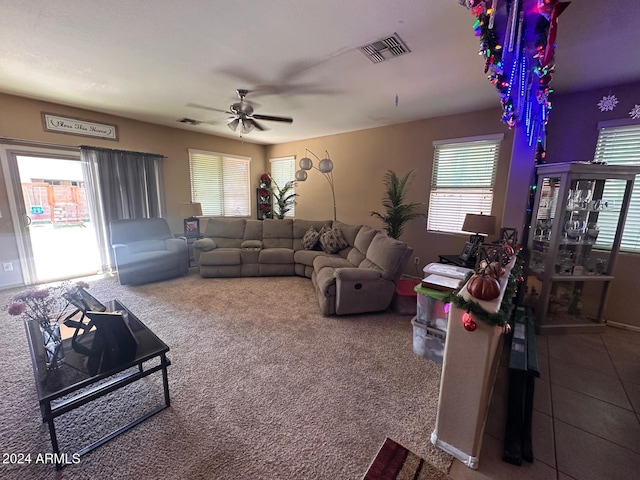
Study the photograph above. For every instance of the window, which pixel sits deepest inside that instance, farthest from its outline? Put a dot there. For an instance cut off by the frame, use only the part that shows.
(283, 170)
(464, 172)
(220, 183)
(619, 145)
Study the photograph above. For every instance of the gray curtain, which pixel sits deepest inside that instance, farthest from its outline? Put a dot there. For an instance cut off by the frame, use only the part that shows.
(122, 185)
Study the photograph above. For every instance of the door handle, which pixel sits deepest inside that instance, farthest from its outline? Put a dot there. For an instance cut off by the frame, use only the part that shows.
(28, 220)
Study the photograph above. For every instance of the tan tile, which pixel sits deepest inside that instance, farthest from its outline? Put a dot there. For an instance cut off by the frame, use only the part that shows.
(542, 437)
(543, 366)
(492, 467)
(587, 457)
(564, 476)
(608, 421)
(626, 358)
(586, 350)
(542, 396)
(633, 390)
(595, 384)
(622, 334)
(542, 344)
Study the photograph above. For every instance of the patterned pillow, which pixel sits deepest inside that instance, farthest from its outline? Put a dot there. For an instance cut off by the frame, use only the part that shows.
(310, 239)
(333, 240)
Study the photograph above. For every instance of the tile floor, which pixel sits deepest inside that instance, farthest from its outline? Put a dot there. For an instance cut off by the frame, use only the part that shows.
(586, 419)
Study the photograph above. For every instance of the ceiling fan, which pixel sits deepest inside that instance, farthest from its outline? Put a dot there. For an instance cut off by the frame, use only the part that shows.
(243, 116)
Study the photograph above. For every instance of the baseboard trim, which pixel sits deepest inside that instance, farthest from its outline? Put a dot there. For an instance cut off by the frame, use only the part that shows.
(623, 326)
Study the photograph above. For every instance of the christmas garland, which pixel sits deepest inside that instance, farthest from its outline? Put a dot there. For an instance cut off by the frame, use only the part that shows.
(501, 317)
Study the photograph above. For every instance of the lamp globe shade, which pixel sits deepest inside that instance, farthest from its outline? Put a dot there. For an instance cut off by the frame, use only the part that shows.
(305, 163)
(301, 175)
(325, 165)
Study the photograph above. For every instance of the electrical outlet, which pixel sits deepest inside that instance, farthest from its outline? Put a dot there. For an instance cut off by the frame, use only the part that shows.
(7, 266)
(416, 260)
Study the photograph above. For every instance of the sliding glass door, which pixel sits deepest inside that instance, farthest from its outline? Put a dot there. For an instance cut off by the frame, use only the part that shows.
(56, 234)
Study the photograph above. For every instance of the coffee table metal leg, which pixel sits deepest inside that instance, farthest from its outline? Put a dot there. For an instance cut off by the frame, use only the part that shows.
(165, 380)
(49, 418)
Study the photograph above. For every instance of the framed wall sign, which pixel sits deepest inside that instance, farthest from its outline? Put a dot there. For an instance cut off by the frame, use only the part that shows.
(78, 126)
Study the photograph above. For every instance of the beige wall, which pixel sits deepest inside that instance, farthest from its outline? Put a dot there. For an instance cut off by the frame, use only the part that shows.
(21, 119)
(362, 158)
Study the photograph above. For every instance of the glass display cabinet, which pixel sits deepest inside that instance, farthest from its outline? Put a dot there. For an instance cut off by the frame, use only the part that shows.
(576, 228)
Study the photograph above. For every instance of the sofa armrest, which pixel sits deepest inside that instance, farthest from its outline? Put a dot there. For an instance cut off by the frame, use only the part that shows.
(176, 244)
(360, 290)
(204, 244)
(356, 274)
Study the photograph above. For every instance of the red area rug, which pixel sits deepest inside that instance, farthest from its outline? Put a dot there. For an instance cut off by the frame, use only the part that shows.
(395, 462)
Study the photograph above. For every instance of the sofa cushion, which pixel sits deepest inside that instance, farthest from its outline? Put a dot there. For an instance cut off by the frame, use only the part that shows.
(332, 240)
(348, 231)
(253, 230)
(306, 257)
(276, 256)
(361, 244)
(147, 246)
(310, 239)
(277, 233)
(225, 228)
(387, 254)
(221, 256)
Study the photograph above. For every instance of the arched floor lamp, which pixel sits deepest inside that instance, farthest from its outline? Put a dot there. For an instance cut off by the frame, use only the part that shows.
(325, 166)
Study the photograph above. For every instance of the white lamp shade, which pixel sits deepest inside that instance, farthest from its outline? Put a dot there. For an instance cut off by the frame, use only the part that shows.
(306, 163)
(325, 165)
(301, 175)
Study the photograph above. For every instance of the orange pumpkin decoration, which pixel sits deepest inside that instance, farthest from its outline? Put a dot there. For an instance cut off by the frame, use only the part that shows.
(483, 287)
(494, 269)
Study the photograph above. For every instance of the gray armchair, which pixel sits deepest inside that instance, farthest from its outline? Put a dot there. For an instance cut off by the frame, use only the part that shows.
(146, 251)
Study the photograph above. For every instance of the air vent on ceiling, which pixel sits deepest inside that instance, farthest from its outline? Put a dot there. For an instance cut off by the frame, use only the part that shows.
(385, 48)
(190, 121)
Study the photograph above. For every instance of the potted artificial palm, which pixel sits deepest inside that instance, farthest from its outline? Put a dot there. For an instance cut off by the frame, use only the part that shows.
(283, 199)
(397, 212)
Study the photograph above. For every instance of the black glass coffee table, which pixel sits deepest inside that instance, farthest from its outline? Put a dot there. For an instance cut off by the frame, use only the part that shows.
(83, 377)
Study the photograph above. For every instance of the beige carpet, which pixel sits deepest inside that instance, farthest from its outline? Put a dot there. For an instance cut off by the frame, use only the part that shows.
(262, 387)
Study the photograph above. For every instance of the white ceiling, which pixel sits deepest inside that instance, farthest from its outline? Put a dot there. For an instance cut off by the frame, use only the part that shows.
(150, 59)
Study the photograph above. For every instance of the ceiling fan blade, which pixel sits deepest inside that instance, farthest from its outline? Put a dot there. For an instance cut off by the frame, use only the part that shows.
(204, 107)
(273, 119)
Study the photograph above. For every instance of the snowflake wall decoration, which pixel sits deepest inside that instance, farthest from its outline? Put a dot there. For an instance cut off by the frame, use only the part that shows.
(608, 103)
(635, 112)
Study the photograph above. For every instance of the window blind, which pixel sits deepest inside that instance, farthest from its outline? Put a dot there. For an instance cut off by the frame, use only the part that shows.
(220, 183)
(462, 182)
(619, 146)
(283, 170)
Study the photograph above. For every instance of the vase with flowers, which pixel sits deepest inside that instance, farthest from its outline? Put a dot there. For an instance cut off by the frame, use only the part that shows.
(45, 306)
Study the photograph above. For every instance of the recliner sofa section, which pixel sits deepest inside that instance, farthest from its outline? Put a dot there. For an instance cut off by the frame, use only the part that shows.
(360, 277)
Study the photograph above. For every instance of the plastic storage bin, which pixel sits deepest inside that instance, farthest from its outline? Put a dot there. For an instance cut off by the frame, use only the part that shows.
(404, 300)
(431, 310)
(428, 342)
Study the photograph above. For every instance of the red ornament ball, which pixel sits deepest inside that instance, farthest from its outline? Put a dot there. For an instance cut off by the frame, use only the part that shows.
(468, 322)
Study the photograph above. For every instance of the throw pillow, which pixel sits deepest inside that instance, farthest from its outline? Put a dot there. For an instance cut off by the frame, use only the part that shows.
(310, 238)
(332, 241)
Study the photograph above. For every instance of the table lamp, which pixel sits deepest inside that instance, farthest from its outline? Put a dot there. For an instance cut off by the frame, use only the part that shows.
(480, 225)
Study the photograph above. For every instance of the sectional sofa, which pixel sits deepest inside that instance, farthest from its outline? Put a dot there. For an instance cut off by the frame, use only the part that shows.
(354, 268)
